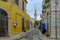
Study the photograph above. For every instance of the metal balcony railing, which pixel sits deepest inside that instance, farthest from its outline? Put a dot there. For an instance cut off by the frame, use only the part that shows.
(46, 1)
(44, 7)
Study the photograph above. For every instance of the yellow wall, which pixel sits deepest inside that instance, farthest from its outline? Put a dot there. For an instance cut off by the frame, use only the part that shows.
(12, 10)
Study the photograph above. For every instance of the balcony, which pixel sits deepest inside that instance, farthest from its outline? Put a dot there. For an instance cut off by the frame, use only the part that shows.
(43, 11)
(46, 1)
(41, 16)
(44, 7)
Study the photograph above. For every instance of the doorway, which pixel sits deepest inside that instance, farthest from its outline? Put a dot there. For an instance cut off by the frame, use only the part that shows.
(23, 28)
(3, 23)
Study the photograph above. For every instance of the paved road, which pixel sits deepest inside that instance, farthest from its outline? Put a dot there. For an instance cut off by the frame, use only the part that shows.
(36, 35)
(32, 36)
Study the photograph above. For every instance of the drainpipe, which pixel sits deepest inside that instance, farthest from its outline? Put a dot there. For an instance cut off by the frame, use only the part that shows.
(56, 3)
(50, 18)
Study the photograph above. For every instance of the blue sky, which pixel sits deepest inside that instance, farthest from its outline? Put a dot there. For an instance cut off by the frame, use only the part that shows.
(32, 5)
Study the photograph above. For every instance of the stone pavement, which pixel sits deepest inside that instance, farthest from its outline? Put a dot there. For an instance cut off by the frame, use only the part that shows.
(19, 36)
(33, 34)
(37, 35)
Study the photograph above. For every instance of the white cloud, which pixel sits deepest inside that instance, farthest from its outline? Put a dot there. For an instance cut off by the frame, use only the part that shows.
(31, 5)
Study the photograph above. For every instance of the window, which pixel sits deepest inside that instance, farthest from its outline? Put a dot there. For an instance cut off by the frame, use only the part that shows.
(4, 0)
(17, 2)
(23, 5)
(3, 23)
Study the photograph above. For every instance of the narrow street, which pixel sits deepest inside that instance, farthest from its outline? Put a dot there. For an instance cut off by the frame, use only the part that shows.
(29, 19)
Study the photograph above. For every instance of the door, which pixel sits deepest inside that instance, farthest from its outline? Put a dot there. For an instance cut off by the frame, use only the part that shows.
(23, 28)
(3, 23)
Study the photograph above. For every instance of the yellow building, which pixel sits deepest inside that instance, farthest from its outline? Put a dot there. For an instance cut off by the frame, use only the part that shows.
(13, 17)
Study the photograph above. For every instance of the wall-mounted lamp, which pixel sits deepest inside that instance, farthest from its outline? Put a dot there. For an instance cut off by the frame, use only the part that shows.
(15, 24)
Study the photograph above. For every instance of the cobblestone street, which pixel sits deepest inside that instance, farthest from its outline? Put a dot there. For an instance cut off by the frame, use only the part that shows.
(37, 35)
(34, 34)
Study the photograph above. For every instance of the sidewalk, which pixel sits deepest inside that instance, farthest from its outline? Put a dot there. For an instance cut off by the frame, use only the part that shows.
(19, 36)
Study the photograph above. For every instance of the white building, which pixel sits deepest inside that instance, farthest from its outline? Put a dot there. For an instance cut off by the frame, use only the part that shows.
(31, 23)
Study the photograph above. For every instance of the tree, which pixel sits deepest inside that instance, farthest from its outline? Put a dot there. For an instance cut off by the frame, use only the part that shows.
(36, 23)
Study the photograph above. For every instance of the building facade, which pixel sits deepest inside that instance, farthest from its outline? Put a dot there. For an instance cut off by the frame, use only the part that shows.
(51, 16)
(20, 4)
(55, 18)
(13, 17)
(45, 12)
(31, 23)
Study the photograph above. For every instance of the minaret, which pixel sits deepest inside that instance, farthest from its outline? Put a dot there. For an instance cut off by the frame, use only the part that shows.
(35, 15)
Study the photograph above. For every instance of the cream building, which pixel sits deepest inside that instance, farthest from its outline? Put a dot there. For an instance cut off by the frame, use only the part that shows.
(45, 13)
(51, 16)
(55, 18)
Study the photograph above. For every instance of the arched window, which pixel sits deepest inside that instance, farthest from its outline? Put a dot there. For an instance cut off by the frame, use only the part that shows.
(3, 23)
